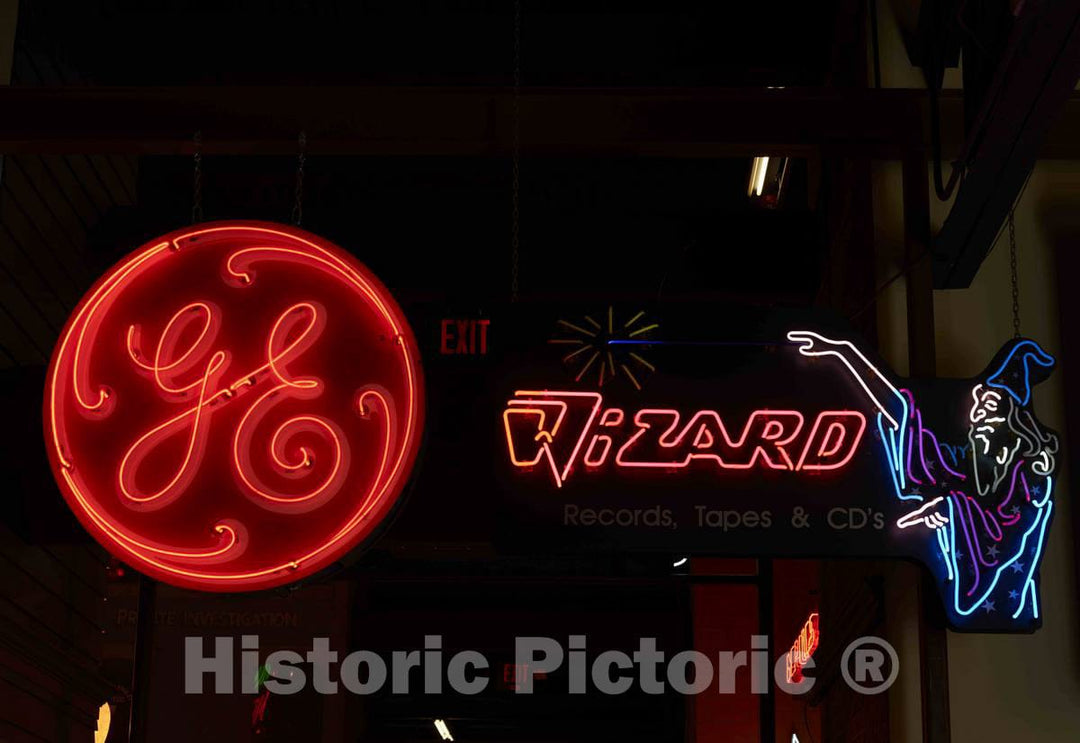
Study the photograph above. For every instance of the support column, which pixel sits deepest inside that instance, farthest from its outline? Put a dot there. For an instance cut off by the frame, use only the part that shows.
(142, 660)
(922, 357)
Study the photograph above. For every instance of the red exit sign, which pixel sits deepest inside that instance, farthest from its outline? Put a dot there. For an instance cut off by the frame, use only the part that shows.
(467, 337)
(517, 674)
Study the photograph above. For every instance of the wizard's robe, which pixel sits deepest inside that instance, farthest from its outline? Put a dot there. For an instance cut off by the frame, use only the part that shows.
(993, 540)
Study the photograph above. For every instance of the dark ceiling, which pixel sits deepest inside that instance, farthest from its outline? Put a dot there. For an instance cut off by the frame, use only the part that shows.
(647, 227)
(563, 42)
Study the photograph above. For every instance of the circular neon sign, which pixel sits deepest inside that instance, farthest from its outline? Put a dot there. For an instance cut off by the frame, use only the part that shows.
(234, 406)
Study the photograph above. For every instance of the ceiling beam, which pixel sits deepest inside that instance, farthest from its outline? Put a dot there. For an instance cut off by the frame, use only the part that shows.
(684, 122)
(1021, 120)
(703, 122)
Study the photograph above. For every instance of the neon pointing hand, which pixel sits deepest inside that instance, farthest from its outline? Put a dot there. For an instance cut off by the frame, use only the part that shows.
(926, 514)
(815, 344)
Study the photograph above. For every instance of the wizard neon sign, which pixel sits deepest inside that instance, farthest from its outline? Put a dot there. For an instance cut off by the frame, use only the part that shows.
(836, 456)
(663, 438)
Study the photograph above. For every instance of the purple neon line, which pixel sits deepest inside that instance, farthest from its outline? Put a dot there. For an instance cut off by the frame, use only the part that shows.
(1010, 519)
(922, 452)
(937, 447)
(971, 549)
(986, 514)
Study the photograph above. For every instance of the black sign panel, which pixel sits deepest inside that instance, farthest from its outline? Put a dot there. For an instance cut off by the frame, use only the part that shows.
(757, 435)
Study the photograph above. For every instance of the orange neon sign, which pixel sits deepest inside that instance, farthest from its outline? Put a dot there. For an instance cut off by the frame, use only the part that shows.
(234, 406)
(561, 432)
(805, 645)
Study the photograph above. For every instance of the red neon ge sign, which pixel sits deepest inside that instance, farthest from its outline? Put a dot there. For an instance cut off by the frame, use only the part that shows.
(234, 406)
(562, 432)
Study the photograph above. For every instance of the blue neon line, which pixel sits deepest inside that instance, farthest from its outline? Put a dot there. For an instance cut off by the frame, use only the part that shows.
(646, 342)
(953, 567)
(997, 575)
(944, 550)
(895, 452)
(902, 438)
(1045, 516)
(901, 464)
(890, 454)
(952, 452)
(1027, 369)
(1049, 486)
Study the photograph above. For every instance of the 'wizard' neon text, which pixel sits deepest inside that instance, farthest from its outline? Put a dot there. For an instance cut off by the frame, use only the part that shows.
(563, 431)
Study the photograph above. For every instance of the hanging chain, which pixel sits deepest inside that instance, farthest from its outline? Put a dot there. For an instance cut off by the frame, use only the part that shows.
(196, 194)
(298, 203)
(515, 228)
(1012, 269)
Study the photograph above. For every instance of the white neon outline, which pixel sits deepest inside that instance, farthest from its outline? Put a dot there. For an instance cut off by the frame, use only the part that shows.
(909, 520)
(806, 340)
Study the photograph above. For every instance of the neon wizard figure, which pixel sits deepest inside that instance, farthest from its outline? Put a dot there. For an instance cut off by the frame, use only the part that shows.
(982, 503)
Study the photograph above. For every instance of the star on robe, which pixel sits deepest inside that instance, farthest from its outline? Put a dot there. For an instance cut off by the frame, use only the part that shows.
(916, 491)
(1015, 510)
(987, 606)
(992, 551)
(1037, 491)
(1014, 595)
(1017, 567)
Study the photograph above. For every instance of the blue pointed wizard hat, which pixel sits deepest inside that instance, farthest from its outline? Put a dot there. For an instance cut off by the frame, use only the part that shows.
(1023, 364)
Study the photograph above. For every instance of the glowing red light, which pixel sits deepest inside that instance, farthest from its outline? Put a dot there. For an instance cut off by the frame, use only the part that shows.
(234, 406)
(517, 674)
(805, 645)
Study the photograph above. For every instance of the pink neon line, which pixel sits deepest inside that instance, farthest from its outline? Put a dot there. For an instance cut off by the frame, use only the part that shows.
(666, 441)
(802, 466)
(991, 525)
(554, 468)
(642, 428)
(581, 439)
(699, 442)
(589, 460)
(834, 426)
(612, 417)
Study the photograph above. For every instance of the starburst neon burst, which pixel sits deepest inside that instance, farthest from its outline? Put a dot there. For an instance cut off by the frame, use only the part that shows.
(610, 349)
